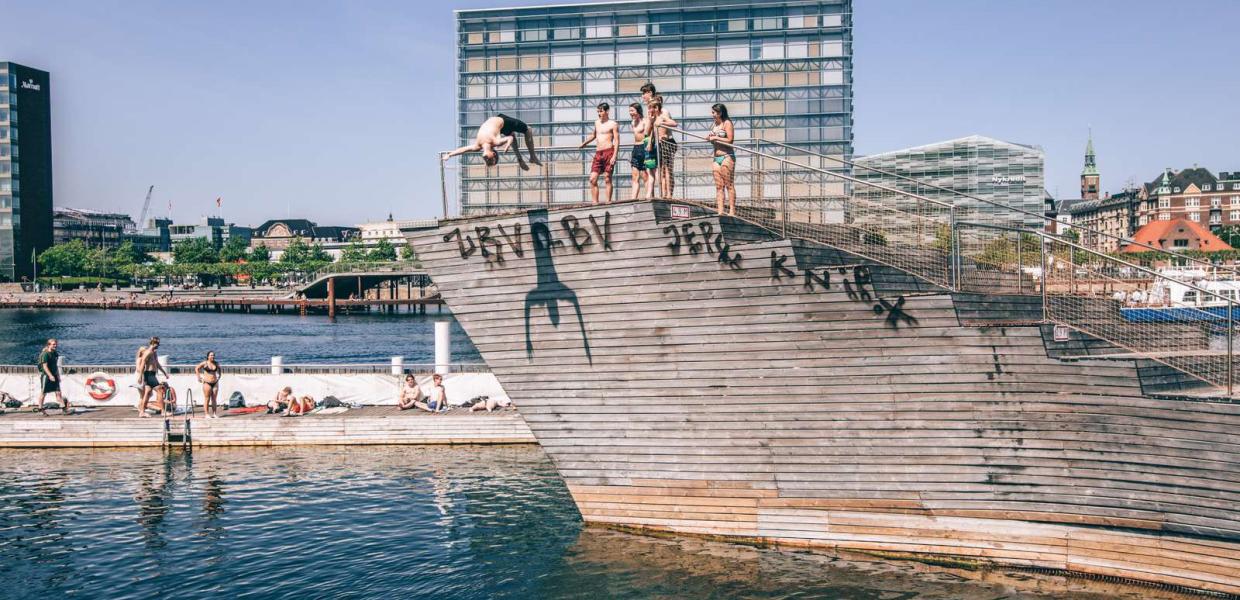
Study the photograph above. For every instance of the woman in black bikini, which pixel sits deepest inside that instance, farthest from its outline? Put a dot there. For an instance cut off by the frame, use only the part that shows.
(208, 372)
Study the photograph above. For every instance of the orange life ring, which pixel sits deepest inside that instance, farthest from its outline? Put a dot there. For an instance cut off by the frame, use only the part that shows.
(100, 386)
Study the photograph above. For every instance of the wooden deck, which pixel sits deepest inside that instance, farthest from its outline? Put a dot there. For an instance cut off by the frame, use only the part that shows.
(704, 376)
(117, 427)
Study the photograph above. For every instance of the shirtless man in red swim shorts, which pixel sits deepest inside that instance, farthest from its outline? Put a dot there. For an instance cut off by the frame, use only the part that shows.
(606, 138)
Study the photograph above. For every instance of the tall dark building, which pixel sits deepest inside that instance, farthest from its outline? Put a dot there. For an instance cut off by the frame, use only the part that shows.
(25, 168)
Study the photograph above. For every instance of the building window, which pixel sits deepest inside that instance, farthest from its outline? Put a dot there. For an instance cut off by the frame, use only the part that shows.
(1205, 188)
(1164, 216)
(1235, 186)
(1195, 217)
(1216, 219)
(1216, 202)
(1192, 202)
(1180, 243)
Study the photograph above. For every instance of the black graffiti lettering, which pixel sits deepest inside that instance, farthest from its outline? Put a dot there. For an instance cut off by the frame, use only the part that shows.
(862, 277)
(540, 233)
(603, 233)
(708, 232)
(811, 278)
(578, 235)
(518, 247)
(686, 230)
(460, 242)
(484, 238)
(675, 243)
(726, 256)
(895, 312)
(778, 270)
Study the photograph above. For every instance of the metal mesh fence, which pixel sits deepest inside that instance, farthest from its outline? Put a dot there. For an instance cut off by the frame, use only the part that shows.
(813, 197)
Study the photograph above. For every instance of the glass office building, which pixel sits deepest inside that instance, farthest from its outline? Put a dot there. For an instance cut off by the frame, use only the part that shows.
(1008, 174)
(782, 67)
(25, 169)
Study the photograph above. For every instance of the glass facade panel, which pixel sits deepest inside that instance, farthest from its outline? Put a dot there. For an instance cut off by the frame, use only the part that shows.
(780, 66)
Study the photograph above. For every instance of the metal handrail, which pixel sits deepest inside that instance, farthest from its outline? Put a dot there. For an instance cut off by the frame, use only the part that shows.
(1017, 210)
(785, 161)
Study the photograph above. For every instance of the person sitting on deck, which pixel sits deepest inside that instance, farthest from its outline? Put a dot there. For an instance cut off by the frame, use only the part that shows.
(282, 400)
(496, 135)
(410, 394)
(297, 408)
(438, 400)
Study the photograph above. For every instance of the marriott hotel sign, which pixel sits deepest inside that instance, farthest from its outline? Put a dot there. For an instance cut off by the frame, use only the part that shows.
(29, 84)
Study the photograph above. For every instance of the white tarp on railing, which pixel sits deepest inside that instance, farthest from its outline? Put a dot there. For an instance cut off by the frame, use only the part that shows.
(360, 388)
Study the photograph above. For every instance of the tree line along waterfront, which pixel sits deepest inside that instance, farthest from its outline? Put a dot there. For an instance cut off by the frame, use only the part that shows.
(77, 264)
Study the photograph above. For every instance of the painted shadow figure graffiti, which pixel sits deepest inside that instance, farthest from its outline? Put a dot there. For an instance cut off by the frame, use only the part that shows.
(549, 291)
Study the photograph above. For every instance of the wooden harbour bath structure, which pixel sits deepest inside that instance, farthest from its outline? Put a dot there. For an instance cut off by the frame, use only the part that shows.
(863, 384)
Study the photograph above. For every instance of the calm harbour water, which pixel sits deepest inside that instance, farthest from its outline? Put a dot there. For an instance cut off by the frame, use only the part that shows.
(390, 522)
(92, 336)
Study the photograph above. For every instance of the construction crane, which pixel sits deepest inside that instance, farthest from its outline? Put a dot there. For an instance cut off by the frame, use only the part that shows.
(146, 206)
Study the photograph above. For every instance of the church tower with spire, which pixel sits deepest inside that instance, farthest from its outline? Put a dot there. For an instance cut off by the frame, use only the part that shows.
(1089, 175)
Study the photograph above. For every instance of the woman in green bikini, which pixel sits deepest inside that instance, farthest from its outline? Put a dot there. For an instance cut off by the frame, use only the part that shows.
(723, 135)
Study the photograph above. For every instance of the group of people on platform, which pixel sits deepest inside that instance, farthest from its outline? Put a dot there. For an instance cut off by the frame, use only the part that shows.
(653, 157)
(155, 395)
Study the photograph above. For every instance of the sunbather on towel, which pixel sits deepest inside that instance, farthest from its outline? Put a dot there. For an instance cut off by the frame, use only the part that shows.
(297, 408)
(281, 402)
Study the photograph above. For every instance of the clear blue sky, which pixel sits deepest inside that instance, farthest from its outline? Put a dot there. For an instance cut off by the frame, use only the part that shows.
(333, 110)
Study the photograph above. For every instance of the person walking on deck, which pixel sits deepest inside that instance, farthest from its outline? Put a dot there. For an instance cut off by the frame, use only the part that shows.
(147, 366)
(606, 138)
(495, 135)
(641, 138)
(49, 376)
(723, 136)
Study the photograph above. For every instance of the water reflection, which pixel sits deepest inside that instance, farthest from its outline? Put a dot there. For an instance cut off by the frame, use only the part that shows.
(393, 522)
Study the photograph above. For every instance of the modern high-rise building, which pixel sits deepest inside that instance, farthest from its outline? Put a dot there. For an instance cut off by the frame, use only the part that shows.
(1006, 174)
(783, 68)
(25, 168)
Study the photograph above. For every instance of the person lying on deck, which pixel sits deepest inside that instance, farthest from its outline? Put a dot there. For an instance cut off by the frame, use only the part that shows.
(297, 408)
(410, 394)
(281, 402)
(489, 404)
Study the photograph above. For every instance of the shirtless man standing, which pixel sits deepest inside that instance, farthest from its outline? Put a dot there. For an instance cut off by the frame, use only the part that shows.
(496, 135)
(147, 365)
(606, 138)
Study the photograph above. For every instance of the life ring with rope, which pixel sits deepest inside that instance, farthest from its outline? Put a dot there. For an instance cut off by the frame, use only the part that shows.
(100, 386)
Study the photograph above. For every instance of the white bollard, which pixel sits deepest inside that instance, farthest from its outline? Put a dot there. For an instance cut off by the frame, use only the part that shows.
(398, 365)
(277, 365)
(163, 362)
(443, 347)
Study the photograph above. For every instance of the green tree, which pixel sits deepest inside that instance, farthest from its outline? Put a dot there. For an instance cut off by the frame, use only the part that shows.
(318, 254)
(260, 254)
(383, 251)
(70, 258)
(1230, 234)
(235, 249)
(354, 252)
(297, 252)
(195, 250)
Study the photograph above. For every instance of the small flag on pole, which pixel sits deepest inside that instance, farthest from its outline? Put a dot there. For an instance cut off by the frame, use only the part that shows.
(217, 202)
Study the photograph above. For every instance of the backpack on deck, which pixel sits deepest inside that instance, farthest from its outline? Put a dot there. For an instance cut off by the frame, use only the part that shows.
(332, 402)
(236, 400)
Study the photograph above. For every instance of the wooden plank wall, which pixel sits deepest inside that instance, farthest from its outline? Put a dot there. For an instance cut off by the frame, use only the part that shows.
(717, 389)
(51, 431)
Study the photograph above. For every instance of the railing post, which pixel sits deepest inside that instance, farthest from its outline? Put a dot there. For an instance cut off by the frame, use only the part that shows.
(1231, 369)
(546, 169)
(1020, 263)
(1044, 277)
(443, 183)
(953, 250)
(783, 194)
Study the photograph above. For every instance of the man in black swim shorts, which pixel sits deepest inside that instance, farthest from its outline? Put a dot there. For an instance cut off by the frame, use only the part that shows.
(496, 135)
(147, 365)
